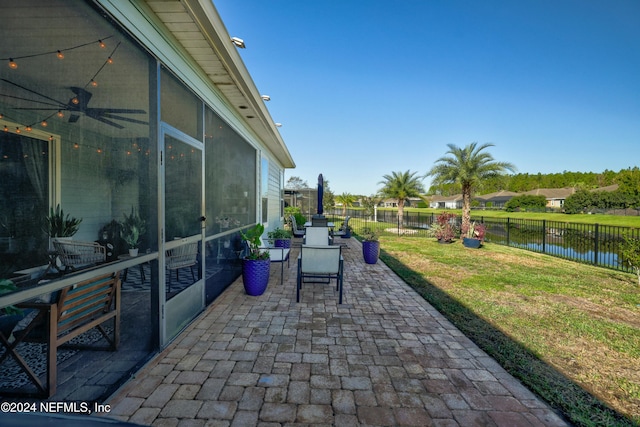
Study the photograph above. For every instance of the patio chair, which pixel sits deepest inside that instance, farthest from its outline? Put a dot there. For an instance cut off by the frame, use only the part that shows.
(277, 254)
(320, 262)
(317, 236)
(75, 254)
(182, 257)
(343, 230)
(297, 232)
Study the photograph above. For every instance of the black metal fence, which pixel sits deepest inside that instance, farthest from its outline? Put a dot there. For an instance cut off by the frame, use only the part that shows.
(594, 244)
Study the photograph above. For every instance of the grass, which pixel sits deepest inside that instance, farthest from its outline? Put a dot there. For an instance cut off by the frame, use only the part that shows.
(619, 220)
(570, 332)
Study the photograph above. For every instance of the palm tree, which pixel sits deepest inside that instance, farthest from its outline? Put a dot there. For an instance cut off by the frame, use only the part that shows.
(346, 200)
(401, 186)
(467, 167)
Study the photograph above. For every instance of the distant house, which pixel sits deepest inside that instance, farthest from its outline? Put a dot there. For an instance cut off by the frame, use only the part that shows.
(446, 202)
(495, 200)
(555, 196)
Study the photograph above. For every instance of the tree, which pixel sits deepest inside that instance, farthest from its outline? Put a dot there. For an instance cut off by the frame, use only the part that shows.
(630, 251)
(346, 200)
(400, 186)
(467, 166)
(369, 203)
(526, 202)
(295, 183)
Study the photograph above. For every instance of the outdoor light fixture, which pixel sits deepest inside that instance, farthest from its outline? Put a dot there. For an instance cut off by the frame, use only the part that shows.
(266, 98)
(238, 42)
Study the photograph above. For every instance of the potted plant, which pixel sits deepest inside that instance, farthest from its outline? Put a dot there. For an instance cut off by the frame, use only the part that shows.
(281, 237)
(370, 245)
(444, 228)
(256, 264)
(133, 228)
(57, 224)
(474, 236)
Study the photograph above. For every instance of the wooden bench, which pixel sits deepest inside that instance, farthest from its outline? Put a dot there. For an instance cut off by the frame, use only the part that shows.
(76, 309)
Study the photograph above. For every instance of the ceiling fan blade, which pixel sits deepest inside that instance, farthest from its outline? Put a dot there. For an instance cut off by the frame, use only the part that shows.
(118, 111)
(33, 91)
(109, 122)
(124, 119)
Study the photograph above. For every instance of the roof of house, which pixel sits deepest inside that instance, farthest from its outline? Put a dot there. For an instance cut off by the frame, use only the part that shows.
(552, 193)
(609, 188)
(498, 196)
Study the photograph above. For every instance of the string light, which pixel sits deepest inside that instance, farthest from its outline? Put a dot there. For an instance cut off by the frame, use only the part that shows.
(12, 64)
(60, 114)
(58, 52)
(28, 128)
(94, 83)
(109, 60)
(44, 124)
(6, 129)
(18, 130)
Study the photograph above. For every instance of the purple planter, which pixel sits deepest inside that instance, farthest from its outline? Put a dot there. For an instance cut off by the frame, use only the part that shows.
(282, 243)
(370, 251)
(255, 275)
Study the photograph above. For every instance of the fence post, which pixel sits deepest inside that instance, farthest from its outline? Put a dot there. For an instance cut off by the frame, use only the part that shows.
(595, 245)
(508, 229)
(544, 236)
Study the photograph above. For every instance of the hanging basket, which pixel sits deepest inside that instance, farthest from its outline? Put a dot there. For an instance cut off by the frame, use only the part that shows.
(255, 275)
(370, 251)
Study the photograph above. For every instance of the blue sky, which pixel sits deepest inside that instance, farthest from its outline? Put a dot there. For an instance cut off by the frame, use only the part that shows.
(364, 88)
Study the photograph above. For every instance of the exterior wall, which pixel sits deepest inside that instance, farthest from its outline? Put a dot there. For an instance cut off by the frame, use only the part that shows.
(100, 171)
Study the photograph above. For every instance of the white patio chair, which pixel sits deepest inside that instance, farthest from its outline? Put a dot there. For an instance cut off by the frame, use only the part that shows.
(320, 262)
(317, 236)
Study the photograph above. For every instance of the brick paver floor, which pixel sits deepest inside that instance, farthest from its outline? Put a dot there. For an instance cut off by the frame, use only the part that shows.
(384, 357)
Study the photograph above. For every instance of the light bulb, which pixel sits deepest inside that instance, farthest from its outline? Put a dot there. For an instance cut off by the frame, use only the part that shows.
(28, 128)
(94, 83)
(109, 60)
(44, 124)
(75, 100)
(60, 55)
(60, 114)
(6, 129)
(102, 45)
(18, 130)
(12, 64)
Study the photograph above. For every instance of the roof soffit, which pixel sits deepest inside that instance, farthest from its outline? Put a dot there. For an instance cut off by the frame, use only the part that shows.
(196, 25)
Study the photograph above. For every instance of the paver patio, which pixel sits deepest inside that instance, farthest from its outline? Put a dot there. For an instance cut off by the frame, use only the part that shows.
(384, 357)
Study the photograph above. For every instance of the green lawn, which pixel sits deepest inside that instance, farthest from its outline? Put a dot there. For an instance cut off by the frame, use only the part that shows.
(570, 332)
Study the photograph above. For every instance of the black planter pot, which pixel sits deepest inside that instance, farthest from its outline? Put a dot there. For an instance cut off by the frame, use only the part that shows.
(255, 275)
(370, 251)
(471, 243)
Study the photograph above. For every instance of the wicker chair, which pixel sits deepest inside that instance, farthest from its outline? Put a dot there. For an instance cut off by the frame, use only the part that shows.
(74, 254)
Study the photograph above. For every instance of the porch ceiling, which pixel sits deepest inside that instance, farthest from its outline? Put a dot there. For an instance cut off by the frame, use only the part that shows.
(197, 26)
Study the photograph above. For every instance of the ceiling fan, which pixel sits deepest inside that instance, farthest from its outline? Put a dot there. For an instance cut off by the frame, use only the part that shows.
(79, 104)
